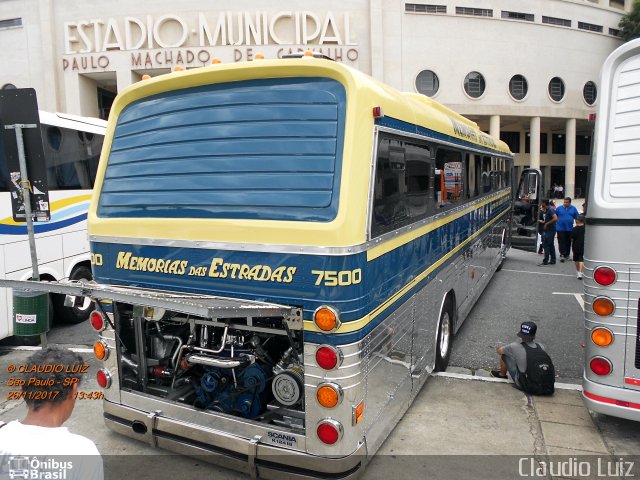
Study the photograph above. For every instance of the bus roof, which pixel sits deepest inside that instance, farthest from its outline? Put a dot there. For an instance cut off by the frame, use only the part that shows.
(413, 108)
(75, 122)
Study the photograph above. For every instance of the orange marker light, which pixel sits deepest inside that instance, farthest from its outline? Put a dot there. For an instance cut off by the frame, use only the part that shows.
(100, 350)
(329, 395)
(216, 61)
(259, 56)
(146, 76)
(326, 319)
(602, 337)
(308, 53)
(358, 413)
(178, 68)
(603, 306)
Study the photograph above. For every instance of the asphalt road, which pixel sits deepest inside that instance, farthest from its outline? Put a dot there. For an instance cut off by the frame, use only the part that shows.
(521, 291)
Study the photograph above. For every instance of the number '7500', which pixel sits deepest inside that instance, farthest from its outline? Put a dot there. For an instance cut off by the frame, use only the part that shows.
(334, 278)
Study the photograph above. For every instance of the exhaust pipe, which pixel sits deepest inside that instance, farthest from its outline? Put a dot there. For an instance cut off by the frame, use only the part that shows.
(218, 362)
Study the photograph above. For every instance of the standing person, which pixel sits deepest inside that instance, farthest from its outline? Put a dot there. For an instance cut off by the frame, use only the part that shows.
(577, 245)
(566, 213)
(49, 390)
(527, 363)
(549, 233)
(541, 231)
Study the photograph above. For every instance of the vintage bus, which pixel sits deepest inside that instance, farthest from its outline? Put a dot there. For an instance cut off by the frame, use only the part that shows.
(289, 247)
(71, 146)
(611, 383)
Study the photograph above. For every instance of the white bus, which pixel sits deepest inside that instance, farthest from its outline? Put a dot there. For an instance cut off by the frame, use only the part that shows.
(71, 147)
(611, 383)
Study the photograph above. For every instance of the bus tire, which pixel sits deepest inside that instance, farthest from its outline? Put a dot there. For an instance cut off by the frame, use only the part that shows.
(445, 336)
(76, 314)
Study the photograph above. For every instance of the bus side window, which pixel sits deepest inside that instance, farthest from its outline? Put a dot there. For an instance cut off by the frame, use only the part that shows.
(71, 157)
(449, 178)
(402, 185)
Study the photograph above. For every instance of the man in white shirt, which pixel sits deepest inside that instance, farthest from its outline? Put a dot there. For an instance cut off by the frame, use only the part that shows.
(39, 441)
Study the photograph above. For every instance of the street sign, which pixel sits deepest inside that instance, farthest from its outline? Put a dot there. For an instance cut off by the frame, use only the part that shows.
(20, 107)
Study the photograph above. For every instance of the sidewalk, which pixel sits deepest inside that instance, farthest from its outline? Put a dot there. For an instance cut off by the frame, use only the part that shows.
(457, 428)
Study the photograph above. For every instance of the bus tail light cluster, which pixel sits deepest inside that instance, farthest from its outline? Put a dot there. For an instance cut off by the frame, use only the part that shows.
(326, 319)
(97, 320)
(603, 306)
(104, 378)
(603, 337)
(329, 431)
(329, 394)
(328, 357)
(101, 350)
(604, 276)
(600, 366)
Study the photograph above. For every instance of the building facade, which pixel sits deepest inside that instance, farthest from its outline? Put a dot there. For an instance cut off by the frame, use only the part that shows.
(526, 72)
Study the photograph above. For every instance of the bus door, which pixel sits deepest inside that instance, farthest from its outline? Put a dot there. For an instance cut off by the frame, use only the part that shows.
(526, 204)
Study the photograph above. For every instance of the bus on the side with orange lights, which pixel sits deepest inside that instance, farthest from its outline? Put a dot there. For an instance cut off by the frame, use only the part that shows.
(290, 247)
(611, 383)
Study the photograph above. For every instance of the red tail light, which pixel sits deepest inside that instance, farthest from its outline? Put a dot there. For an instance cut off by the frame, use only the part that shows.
(604, 276)
(600, 366)
(104, 378)
(328, 357)
(329, 431)
(97, 321)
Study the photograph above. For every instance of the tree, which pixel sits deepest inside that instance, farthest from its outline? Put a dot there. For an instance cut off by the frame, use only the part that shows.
(630, 23)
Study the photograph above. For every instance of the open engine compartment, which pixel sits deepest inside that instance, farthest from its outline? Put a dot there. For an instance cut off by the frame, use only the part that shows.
(249, 367)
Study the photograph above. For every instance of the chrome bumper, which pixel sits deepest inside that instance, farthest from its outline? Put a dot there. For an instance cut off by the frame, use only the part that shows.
(243, 454)
(615, 393)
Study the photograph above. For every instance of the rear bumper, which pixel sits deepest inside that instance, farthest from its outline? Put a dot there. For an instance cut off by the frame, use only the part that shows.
(609, 400)
(249, 456)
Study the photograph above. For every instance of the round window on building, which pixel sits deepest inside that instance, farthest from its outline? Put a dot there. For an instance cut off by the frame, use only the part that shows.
(54, 138)
(556, 89)
(590, 93)
(474, 84)
(518, 87)
(427, 83)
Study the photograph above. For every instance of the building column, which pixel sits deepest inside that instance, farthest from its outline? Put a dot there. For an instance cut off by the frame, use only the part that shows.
(628, 5)
(534, 143)
(494, 131)
(570, 159)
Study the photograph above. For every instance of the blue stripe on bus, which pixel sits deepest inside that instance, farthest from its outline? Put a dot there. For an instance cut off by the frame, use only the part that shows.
(41, 227)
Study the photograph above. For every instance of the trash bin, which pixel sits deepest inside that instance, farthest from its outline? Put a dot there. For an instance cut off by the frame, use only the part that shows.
(30, 312)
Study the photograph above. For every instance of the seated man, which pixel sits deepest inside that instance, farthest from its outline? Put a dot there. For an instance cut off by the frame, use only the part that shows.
(527, 363)
(50, 394)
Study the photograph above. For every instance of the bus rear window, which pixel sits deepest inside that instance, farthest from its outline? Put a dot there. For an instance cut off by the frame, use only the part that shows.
(261, 149)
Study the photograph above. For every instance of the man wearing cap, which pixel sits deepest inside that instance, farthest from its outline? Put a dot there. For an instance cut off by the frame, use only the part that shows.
(513, 357)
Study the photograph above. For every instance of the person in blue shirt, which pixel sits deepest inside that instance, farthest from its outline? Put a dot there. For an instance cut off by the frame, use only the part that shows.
(567, 214)
(549, 233)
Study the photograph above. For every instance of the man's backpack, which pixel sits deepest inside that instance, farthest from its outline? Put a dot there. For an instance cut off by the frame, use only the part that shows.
(540, 375)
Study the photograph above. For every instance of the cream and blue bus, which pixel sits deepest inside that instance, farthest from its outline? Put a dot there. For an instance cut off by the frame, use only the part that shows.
(289, 248)
(611, 383)
(71, 146)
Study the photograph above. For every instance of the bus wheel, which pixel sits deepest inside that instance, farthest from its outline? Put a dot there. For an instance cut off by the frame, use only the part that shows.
(445, 337)
(77, 313)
